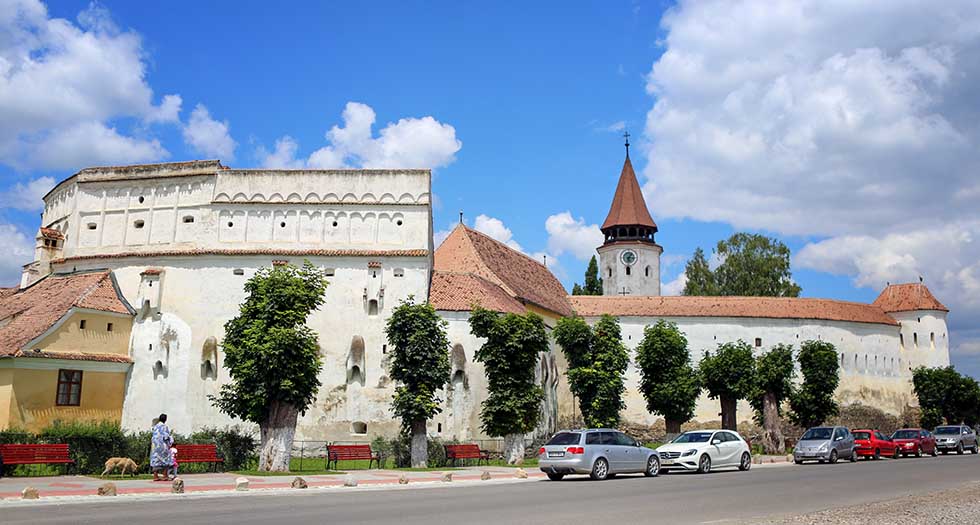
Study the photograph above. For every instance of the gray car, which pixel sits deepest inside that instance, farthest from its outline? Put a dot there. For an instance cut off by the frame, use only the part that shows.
(825, 444)
(601, 453)
(955, 437)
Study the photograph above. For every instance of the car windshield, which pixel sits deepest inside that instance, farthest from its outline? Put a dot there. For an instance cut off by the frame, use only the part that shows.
(817, 433)
(947, 430)
(693, 437)
(906, 434)
(565, 438)
(861, 435)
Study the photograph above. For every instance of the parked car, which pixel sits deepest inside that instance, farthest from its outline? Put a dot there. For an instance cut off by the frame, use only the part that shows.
(601, 453)
(870, 443)
(955, 437)
(915, 441)
(825, 444)
(703, 450)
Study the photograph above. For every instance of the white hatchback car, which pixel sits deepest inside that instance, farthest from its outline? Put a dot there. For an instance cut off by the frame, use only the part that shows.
(703, 450)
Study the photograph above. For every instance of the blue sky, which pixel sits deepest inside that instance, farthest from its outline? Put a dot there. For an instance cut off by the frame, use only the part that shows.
(782, 119)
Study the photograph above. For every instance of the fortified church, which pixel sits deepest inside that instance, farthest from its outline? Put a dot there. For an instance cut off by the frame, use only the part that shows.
(137, 269)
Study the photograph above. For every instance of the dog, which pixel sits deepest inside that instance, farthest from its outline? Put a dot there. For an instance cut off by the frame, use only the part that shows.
(122, 464)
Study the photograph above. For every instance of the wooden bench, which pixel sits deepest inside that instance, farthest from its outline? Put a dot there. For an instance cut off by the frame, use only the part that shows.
(199, 454)
(466, 451)
(35, 454)
(337, 453)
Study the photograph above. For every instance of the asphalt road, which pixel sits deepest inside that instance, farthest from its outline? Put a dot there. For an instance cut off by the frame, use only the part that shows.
(671, 498)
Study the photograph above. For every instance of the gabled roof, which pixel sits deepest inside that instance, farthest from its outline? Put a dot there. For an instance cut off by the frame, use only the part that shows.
(460, 292)
(30, 312)
(521, 277)
(908, 297)
(730, 306)
(628, 207)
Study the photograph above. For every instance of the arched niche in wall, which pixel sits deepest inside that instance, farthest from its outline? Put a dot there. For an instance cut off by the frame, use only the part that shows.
(457, 359)
(355, 361)
(209, 358)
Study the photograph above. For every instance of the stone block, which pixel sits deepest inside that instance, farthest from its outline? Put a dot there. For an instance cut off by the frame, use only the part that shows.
(29, 493)
(241, 484)
(349, 481)
(177, 487)
(299, 483)
(403, 479)
(108, 489)
(485, 476)
(447, 477)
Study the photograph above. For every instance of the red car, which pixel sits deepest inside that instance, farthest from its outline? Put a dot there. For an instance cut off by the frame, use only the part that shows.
(915, 441)
(873, 444)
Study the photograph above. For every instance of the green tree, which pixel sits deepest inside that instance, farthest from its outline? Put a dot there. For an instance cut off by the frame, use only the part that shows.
(700, 278)
(510, 356)
(773, 385)
(813, 402)
(729, 375)
(597, 361)
(273, 358)
(593, 283)
(668, 382)
(420, 365)
(946, 396)
(577, 289)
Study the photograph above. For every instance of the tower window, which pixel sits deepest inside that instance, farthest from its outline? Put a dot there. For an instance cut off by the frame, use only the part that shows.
(646, 271)
(141, 199)
(188, 219)
(398, 222)
(91, 226)
(282, 224)
(609, 270)
(399, 272)
(138, 224)
(915, 340)
(627, 270)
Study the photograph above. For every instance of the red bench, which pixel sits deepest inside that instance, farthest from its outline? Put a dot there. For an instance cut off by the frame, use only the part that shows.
(337, 453)
(466, 451)
(35, 454)
(199, 454)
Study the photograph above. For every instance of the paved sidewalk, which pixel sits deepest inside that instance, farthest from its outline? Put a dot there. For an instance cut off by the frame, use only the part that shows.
(11, 487)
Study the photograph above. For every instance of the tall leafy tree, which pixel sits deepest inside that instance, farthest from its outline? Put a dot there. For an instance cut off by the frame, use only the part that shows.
(273, 358)
(751, 265)
(668, 382)
(946, 396)
(813, 402)
(420, 365)
(577, 289)
(597, 361)
(593, 283)
(774, 384)
(700, 278)
(509, 356)
(729, 375)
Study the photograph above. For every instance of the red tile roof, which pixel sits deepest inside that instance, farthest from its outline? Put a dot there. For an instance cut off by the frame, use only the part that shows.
(51, 233)
(30, 312)
(759, 307)
(628, 207)
(908, 297)
(521, 277)
(460, 292)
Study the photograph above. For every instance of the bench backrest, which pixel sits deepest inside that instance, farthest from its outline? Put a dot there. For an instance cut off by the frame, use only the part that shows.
(34, 452)
(350, 451)
(193, 453)
(466, 449)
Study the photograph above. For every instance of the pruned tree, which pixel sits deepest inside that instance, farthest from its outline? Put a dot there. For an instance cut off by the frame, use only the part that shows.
(729, 375)
(420, 366)
(813, 402)
(597, 362)
(774, 384)
(668, 382)
(273, 358)
(509, 356)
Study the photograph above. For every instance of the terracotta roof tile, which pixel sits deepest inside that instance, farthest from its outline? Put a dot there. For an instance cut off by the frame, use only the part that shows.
(51, 233)
(30, 312)
(759, 307)
(523, 278)
(628, 207)
(908, 297)
(268, 251)
(459, 292)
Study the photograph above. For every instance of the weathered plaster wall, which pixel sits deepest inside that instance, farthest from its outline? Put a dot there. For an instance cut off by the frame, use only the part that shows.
(644, 274)
(94, 338)
(6, 392)
(33, 396)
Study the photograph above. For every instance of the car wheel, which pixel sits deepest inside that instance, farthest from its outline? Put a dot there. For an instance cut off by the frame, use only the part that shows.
(746, 462)
(959, 447)
(877, 455)
(653, 467)
(935, 451)
(895, 454)
(975, 448)
(600, 470)
(704, 465)
(918, 452)
(833, 457)
(854, 456)
(555, 476)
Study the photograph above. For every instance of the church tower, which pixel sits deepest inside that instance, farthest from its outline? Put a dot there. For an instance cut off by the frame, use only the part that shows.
(629, 258)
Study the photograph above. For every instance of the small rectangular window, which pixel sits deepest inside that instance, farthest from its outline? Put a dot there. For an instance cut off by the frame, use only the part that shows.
(238, 271)
(81, 324)
(69, 388)
(188, 219)
(329, 272)
(399, 272)
(758, 341)
(108, 327)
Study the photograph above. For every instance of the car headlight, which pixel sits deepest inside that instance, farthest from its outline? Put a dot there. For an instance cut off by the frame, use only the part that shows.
(823, 448)
(690, 452)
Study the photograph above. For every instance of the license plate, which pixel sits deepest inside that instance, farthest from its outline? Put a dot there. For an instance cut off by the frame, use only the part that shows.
(666, 462)
(556, 454)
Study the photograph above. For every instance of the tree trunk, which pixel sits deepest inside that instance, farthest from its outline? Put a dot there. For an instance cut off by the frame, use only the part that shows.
(772, 438)
(420, 445)
(277, 433)
(728, 419)
(673, 426)
(514, 449)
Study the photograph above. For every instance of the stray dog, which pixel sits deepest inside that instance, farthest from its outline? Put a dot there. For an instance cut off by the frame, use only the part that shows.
(121, 464)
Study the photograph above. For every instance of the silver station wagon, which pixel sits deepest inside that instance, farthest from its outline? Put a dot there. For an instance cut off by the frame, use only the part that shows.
(601, 453)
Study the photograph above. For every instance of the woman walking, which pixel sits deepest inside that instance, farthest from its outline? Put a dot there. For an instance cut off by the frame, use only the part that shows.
(160, 458)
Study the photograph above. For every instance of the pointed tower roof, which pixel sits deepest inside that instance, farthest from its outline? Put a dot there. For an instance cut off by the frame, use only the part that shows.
(908, 297)
(628, 207)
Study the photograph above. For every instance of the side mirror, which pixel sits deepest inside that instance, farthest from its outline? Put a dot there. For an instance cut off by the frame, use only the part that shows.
(715, 441)
(839, 438)
(636, 443)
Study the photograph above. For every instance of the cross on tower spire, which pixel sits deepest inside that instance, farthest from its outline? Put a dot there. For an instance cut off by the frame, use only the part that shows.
(626, 135)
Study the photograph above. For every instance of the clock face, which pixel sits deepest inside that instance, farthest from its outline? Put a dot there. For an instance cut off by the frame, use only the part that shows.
(628, 257)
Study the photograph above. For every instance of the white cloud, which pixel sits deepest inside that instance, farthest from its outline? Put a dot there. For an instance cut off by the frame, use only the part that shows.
(495, 229)
(440, 236)
(676, 286)
(567, 234)
(60, 81)
(18, 248)
(26, 197)
(854, 122)
(209, 136)
(409, 143)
